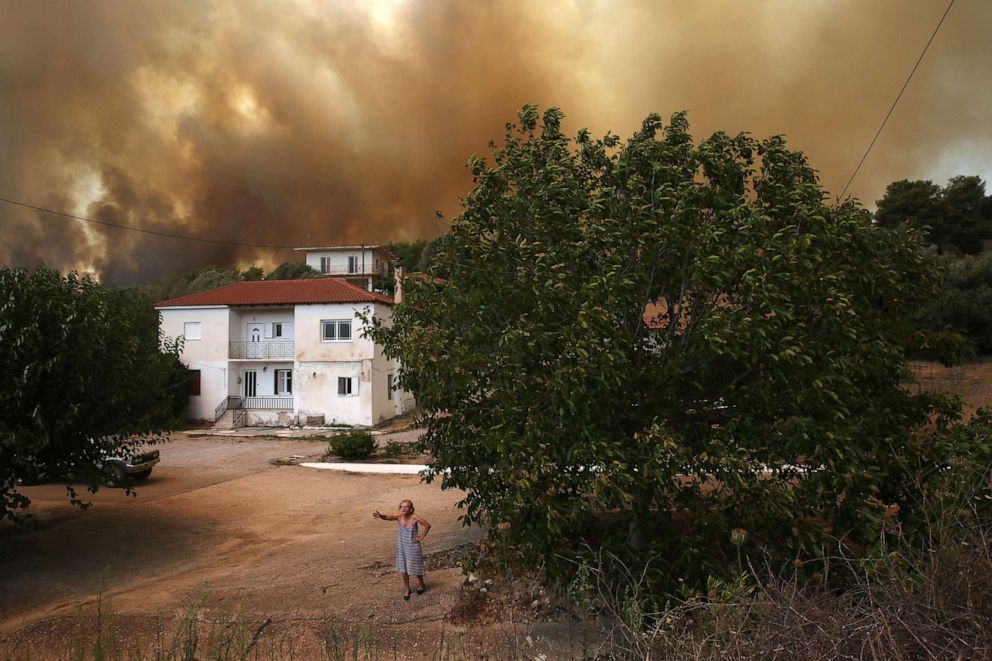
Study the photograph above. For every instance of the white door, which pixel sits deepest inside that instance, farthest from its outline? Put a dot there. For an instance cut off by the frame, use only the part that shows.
(254, 333)
(250, 383)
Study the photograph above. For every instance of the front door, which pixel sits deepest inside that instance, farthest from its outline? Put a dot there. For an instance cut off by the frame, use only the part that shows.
(250, 383)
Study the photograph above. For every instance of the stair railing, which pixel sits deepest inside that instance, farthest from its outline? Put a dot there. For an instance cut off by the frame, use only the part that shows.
(230, 402)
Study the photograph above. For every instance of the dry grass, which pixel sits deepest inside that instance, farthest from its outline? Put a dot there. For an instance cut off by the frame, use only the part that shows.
(972, 382)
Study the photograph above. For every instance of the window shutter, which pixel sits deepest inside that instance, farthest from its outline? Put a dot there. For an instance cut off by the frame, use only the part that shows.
(194, 382)
(268, 329)
(275, 382)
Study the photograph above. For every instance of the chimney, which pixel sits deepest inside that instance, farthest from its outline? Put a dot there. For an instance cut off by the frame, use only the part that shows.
(398, 293)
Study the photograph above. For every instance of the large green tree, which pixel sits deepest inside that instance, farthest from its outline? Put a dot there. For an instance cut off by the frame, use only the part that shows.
(407, 253)
(964, 303)
(293, 271)
(642, 345)
(85, 377)
(956, 218)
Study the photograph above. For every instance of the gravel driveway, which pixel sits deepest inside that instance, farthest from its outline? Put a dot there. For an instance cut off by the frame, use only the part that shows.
(284, 542)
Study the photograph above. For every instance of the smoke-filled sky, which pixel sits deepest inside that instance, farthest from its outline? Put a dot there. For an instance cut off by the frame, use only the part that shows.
(316, 122)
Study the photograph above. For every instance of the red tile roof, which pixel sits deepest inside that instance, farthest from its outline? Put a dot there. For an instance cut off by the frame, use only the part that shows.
(279, 292)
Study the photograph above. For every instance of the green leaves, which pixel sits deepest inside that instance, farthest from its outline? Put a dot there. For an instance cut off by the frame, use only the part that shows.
(83, 365)
(631, 337)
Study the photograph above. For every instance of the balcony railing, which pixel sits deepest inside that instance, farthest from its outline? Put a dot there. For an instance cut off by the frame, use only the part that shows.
(276, 403)
(261, 350)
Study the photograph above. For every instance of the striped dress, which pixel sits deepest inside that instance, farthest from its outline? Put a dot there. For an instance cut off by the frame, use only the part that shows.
(409, 557)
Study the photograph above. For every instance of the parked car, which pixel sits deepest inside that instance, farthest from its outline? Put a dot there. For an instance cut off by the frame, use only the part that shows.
(116, 470)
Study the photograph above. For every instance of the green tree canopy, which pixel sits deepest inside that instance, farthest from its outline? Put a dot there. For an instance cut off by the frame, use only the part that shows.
(253, 272)
(644, 344)
(956, 218)
(197, 280)
(407, 253)
(85, 376)
(964, 303)
(293, 271)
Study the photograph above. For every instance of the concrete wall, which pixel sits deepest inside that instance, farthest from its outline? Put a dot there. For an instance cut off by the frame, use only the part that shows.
(266, 376)
(321, 363)
(270, 419)
(384, 407)
(318, 392)
(240, 318)
(208, 354)
(373, 263)
(307, 327)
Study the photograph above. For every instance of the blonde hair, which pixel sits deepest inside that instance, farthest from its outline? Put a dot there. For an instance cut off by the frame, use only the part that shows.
(407, 500)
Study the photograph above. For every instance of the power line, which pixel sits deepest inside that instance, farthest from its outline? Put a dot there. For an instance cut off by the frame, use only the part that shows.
(899, 96)
(13, 253)
(181, 237)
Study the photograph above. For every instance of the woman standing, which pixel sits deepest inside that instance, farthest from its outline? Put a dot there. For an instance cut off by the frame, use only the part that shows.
(409, 555)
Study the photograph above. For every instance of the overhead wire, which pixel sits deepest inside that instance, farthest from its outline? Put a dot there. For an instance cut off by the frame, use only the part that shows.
(13, 253)
(896, 102)
(183, 237)
(171, 235)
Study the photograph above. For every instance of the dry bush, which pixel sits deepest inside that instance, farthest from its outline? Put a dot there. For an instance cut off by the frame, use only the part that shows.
(933, 601)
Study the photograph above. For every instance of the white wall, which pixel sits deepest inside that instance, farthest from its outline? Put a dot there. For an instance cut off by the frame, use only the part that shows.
(208, 354)
(265, 376)
(339, 261)
(240, 318)
(321, 363)
(307, 328)
(318, 392)
(384, 408)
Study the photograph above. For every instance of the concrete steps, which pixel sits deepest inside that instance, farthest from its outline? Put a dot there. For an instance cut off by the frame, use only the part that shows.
(226, 421)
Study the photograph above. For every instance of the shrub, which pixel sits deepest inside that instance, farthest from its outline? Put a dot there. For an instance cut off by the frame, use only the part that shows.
(353, 445)
(395, 449)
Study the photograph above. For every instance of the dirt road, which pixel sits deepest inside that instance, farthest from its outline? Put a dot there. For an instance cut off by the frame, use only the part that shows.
(284, 542)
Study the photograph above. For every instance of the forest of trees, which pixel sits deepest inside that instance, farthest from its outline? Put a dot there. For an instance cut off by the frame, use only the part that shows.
(956, 220)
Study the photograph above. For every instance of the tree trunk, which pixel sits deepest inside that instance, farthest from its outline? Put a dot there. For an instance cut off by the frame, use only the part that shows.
(636, 536)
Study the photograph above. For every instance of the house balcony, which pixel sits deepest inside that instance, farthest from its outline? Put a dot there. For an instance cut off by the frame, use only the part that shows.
(261, 350)
(271, 403)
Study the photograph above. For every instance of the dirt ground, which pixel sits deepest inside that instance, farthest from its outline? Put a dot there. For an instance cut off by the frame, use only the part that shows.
(973, 381)
(217, 519)
(289, 548)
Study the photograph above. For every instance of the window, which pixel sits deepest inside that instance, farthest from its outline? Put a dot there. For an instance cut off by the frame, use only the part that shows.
(284, 382)
(337, 330)
(194, 383)
(325, 264)
(346, 386)
(192, 330)
(278, 330)
(390, 386)
(352, 264)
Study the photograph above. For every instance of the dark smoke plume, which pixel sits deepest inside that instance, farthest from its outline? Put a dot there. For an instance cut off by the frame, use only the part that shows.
(302, 123)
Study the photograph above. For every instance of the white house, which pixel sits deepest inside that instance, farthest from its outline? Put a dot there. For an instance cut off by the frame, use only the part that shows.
(360, 264)
(281, 352)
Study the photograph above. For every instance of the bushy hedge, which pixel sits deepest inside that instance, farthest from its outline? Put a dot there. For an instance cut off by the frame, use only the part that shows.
(353, 445)
(965, 302)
